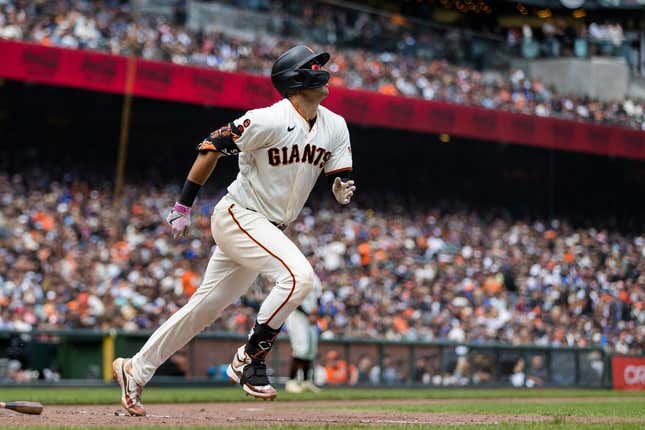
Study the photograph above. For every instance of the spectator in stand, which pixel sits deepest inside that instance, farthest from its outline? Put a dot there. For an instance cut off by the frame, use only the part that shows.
(537, 374)
(389, 375)
(406, 68)
(364, 368)
(70, 258)
(338, 371)
(518, 377)
(422, 374)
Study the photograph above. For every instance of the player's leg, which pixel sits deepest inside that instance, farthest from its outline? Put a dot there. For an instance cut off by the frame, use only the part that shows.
(256, 243)
(303, 335)
(224, 281)
(308, 383)
(297, 325)
(305, 343)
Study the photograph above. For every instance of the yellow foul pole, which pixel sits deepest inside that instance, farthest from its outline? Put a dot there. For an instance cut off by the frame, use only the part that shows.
(125, 130)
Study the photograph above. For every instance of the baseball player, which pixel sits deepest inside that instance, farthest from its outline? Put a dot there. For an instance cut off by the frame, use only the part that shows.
(282, 150)
(303, 336)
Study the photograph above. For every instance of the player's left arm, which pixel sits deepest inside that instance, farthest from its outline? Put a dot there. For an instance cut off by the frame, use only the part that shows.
(338, 168)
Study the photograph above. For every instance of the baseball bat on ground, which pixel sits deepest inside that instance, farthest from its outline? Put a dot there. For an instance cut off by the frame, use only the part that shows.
(31, 408)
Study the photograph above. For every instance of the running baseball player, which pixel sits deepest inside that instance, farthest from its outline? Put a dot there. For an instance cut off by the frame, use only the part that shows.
(282, 150)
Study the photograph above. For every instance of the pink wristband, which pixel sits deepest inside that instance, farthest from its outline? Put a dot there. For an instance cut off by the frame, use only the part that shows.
(182, 209)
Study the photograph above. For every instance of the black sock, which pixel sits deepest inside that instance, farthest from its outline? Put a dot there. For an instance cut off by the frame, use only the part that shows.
(306, 365)
(293, 370)
(297, 364)
(260, 341)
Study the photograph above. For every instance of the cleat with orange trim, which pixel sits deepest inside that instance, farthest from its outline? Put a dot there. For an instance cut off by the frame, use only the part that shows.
(235, 369)
(251, 375)
(130, 390)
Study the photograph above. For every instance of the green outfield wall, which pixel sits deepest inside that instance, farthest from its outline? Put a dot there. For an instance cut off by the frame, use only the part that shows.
(84, 356)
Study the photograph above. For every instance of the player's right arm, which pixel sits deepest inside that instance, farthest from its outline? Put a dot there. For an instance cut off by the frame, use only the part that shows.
(179, 216)
(250, 132)
(218, 143)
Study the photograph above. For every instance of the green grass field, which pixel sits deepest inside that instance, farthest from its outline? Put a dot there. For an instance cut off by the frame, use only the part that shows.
(109, 395)
(561, 409)
(605, 408)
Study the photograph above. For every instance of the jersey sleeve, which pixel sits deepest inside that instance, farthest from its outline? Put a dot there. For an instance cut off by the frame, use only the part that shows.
(341, 156)
(256, 130)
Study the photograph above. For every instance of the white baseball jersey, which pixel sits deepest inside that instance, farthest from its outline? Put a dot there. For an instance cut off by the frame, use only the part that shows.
(281, 159)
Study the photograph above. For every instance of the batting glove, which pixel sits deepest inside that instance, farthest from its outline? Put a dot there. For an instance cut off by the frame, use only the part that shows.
(343, 191)
(179, 220)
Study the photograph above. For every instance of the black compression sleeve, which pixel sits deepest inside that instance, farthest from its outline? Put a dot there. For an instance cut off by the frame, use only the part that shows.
(189, 192)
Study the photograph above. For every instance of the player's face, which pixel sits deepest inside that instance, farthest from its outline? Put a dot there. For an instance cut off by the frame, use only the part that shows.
(316, 94)
(320, 92)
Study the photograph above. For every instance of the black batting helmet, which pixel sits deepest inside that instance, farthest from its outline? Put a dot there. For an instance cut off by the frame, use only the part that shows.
(296, 70)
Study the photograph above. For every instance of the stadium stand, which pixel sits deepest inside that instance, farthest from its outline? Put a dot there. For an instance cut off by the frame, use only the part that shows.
(69, 258)
(518, 246)
(401, 71)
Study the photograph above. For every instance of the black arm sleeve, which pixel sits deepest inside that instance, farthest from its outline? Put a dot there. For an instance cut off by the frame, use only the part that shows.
(189, 193)
(222, 140)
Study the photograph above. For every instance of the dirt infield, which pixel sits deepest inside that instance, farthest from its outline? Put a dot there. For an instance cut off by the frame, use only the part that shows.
(256, 414)
(245, 413)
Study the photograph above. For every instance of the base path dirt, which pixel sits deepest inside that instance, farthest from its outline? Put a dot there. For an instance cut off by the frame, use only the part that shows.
(252, 414)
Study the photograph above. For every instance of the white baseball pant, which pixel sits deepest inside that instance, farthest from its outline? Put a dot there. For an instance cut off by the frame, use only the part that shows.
(302, 336)
(247, 245)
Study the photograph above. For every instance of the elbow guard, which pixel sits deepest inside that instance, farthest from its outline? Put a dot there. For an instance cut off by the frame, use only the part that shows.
(222, 140)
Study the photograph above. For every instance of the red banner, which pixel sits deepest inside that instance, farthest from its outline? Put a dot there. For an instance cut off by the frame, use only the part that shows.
(103, 72)
(628, 373)
(34, 63)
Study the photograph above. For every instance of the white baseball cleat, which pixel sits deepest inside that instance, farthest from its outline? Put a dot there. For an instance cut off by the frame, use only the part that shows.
(130, 390)
(235, 369)
(310, 386)
(293, 386)
(251, 375)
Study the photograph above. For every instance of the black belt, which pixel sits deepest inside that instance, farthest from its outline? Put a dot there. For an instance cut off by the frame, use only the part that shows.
(281, 226)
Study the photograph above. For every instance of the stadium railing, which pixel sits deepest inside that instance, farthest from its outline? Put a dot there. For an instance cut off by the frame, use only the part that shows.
(84, 356)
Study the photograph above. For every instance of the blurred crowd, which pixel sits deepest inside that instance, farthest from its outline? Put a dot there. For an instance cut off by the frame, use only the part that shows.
(555, 38)
(552, 36)
(71, 258)
(415, 65)
(461, 367)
